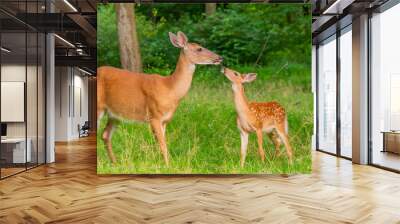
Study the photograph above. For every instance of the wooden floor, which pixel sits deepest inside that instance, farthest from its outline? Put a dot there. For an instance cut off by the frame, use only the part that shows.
(387, 159)
(10, 171)
(69, 191)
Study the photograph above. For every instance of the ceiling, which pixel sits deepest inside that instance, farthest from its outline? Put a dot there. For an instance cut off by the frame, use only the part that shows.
(74, 22)
(329, 13)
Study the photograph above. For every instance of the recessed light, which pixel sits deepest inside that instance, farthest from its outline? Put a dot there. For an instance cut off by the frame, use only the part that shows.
(337, 7)
(64, 40)
(5, 50)
(86, 72)
(70, 5)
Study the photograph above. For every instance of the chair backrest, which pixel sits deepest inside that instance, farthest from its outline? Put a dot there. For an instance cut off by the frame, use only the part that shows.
(86, 125)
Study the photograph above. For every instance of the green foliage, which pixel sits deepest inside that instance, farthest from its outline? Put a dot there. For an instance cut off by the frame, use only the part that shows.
(269, 34)
(243, 33)
(107, 37)
(202, 136)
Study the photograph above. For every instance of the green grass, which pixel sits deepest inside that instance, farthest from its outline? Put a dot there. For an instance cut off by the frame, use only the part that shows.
(203, 138)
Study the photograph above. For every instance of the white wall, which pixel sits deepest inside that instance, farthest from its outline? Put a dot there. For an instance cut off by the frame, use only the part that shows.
(80, 100)
(71, 87)
(12, 73)
(62, 81)
(34, 125)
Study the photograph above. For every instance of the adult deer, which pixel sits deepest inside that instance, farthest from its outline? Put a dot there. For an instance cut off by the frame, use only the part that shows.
(269, 117)
(149, 98)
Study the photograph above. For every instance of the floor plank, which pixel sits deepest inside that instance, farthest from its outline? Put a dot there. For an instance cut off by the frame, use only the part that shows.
(69, 191)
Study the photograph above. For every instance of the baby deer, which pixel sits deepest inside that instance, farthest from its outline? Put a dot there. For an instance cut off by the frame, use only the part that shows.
(269, 117)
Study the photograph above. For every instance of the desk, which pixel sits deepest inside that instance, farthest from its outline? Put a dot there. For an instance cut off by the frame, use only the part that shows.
(391, 141)
(16, 147)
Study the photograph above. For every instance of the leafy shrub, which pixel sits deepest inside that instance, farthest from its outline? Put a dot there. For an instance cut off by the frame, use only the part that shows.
(244, 34)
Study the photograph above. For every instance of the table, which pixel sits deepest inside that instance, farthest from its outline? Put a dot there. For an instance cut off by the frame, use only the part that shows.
(391, 141)
(16, 147)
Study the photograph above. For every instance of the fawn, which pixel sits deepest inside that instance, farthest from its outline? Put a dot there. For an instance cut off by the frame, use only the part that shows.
(269, 117)
(150, 98)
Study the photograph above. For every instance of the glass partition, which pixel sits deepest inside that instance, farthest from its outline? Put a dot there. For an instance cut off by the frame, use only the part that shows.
(31, 99)
(327, 95)
(22, 88)
(385, 89)
(41, 87)
(14, 153)
(346, 92)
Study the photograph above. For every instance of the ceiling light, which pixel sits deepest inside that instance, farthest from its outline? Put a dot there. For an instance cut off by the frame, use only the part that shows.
(70, 5)
(331, 7)
(80, 51)
(64, 40)
(84, 71)
(338, 6)
(5, 50)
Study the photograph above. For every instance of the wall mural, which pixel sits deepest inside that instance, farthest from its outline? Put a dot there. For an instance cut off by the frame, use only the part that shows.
(204, 89)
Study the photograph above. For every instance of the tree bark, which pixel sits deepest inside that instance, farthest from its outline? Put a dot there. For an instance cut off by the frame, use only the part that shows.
(211, 8)
(128, 39)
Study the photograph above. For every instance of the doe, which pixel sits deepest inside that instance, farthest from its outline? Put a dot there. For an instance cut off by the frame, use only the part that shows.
(150, 98)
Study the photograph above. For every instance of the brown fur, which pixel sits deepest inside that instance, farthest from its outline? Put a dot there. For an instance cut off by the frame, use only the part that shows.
(149, 97)
(259, 117)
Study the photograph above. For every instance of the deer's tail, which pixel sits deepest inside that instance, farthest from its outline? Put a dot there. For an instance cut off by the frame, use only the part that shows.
(100, 92)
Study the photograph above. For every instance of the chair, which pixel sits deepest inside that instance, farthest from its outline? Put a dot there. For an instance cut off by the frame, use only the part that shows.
(84, 130)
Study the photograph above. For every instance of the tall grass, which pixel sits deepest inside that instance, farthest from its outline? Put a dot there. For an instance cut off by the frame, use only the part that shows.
(203, 138)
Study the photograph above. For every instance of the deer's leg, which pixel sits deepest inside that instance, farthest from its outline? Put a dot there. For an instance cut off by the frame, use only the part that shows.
(100, 113)
(260, 144)
(164, 128)
(244, 140)
(284, 137)
(159, 131)
(277, 142)
(107, 135)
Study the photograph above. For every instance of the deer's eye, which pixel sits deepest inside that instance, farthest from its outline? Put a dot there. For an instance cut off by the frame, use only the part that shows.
(199, 49)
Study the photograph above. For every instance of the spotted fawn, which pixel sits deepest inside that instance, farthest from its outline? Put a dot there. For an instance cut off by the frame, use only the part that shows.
(259, 117)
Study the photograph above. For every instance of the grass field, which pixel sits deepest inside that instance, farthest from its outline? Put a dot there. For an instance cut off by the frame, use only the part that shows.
(203, 138)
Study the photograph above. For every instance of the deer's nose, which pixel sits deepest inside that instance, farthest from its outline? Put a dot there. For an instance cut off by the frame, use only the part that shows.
(218, 60)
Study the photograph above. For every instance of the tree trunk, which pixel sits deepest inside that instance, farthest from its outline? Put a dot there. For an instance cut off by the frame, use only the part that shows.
(128, 39)
(210, 8)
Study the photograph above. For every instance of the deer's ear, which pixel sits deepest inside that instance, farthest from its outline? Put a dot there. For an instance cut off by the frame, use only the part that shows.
(249, 77)
(182, 39)
(174, 39)
(230, 76)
